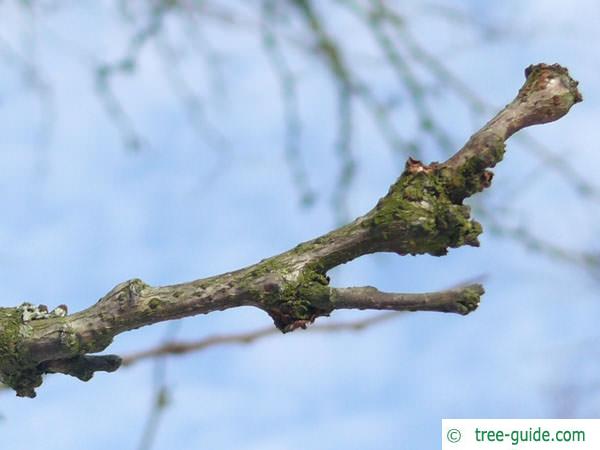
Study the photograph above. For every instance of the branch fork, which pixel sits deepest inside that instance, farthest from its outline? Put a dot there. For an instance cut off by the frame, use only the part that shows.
(423, 212)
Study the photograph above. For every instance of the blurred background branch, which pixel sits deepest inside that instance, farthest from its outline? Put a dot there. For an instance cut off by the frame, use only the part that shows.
(399, 76)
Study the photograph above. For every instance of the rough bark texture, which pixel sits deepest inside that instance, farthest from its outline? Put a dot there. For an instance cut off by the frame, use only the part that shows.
(423, 212)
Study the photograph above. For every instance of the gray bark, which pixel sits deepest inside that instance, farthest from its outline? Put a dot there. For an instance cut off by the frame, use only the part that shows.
(423, 212)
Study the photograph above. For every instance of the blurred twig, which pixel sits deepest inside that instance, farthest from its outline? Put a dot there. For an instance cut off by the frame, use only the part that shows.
(126, 66)
(185, 347)
(161, 395)
(587, 260)
(307, 26)
(34, 81)
(332, 54)
(289, 95)
(171, 348)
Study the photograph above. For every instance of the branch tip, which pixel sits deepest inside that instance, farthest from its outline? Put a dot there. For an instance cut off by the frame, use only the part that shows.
(461, 300)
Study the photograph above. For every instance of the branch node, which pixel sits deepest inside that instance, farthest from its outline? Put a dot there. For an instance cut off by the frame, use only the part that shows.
(82, 367)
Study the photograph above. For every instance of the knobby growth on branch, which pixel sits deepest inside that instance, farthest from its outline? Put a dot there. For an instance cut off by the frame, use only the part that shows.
(423, 213)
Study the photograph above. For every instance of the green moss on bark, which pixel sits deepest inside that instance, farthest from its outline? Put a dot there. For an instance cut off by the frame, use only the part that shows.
(308, 292)
(292, 296)
(417, 216)
(470, 176)
(471, 297)
(16, 369)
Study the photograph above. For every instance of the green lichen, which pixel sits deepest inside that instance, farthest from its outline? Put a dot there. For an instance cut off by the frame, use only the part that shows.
(306, 294)
(471, 175)
(292, 297)
(16, 369)
(10, 325)
(154, 303)
(471, 297)
(68, 338)
(97, 342)
(417, 216)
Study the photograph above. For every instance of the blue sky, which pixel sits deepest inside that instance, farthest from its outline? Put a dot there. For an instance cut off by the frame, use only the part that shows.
(81, 214)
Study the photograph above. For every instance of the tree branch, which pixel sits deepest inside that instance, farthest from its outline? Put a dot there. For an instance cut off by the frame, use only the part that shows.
(185, 347)
(422, 213)
(460, 300)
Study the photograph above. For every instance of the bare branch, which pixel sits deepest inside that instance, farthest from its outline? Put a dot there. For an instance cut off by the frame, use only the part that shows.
(460, 300)
(547, 95)
(422, 213)
(175, 348)
(82, 367)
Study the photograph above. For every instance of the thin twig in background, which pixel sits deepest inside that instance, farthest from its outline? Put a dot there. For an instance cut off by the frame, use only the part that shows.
(193, 346)
(291, 108)
(161, 395)
(173, 348)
